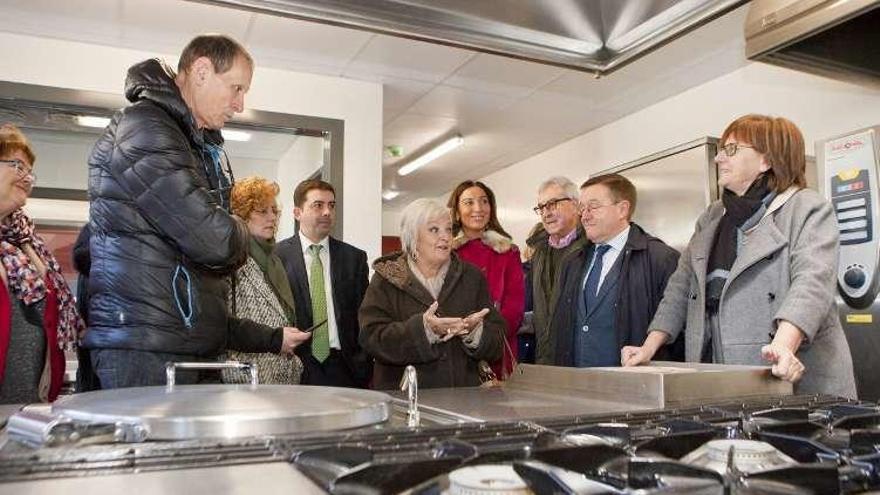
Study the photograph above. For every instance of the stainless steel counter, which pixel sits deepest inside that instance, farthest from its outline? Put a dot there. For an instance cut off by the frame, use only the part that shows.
(549, 391)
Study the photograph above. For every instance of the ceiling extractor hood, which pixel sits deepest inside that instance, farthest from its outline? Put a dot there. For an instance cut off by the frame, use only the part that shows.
(597, 36)
(833, 38)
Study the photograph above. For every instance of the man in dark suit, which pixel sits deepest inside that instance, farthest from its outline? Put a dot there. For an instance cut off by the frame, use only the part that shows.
(610, 289)
(329, 279)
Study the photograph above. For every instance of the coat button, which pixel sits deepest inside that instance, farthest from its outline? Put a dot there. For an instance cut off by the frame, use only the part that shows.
(585, 328)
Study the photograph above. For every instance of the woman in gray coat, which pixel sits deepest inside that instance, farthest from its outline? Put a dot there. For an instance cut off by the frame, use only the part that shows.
(427, 308)
(757, 281)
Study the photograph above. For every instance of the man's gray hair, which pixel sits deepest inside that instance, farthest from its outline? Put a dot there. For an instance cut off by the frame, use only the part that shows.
(567, 186)
(416, 214)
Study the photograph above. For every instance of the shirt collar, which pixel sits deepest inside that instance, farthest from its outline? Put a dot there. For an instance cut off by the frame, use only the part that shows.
(563, 241)
(619, 241)
(306, 242)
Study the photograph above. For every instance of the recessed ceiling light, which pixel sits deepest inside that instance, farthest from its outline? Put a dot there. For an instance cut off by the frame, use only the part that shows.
(232, 135)
(390, 194)
(92, 121)
(433, 154)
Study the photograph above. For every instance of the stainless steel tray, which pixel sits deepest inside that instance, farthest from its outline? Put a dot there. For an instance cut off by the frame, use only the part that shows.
(657, 385)
(228, 411)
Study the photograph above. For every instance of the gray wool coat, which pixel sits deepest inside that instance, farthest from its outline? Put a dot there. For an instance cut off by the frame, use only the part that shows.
(785, 270)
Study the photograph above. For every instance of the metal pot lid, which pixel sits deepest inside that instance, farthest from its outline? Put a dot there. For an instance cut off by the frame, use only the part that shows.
(228, 411)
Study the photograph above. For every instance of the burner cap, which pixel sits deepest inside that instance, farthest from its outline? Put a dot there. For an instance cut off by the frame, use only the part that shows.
(486, 479)
(748, 456)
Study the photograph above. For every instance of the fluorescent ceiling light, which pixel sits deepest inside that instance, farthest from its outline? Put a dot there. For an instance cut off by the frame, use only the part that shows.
(390, 194)
(231, 135)
(90, 121)
(433, 154)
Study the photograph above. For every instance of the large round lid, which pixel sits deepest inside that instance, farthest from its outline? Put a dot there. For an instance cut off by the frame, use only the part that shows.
(228, 411)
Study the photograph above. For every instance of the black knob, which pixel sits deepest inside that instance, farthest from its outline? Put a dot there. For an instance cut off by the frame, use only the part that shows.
(854, 277)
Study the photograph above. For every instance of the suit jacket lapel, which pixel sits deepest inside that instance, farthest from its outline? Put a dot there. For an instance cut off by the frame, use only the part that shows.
(608, 284)
(301, 281)
(336, 275)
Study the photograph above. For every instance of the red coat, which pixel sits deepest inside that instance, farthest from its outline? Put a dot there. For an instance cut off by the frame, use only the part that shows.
(498, 259)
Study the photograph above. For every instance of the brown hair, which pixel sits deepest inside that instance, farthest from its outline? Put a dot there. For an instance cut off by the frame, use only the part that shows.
(452, 204)
(12, 140)
(781, 143)
(299, 194)
(252, 193)
(621, 189)
(220, 49)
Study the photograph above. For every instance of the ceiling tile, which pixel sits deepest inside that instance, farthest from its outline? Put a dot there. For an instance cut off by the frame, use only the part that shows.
(400, 94)
(172, 23)
(445, 101)
(407, 59)
(89, 21)
(305, 42)
(503, 75)
(415, 132)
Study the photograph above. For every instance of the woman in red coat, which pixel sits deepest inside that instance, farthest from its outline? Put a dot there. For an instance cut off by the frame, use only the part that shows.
(481, 241)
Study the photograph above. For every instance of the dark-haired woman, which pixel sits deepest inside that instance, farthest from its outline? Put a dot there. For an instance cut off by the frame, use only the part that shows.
(481, 241)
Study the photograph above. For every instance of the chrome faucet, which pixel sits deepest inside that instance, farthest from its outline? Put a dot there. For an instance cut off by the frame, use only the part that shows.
(409, 383)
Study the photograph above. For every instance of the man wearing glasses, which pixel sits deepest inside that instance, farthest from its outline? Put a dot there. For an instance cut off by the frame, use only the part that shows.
(558, 239)
(329, 279)
(610, 289)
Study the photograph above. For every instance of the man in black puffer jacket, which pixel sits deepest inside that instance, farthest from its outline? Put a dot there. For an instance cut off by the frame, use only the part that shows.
(163, 242)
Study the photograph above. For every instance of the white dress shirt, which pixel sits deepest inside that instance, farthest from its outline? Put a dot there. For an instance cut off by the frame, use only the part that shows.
(328, 284)
(616, 245)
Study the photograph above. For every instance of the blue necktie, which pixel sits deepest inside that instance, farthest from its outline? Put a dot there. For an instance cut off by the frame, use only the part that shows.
(591, 287)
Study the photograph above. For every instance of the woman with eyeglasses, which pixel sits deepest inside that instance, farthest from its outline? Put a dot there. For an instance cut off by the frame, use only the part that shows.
(38, 317)
(757, 282)
(262, 292)
(480, 240)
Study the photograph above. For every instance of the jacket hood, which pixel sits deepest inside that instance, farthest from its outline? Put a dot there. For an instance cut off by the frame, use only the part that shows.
(498, 242)
(153, 80)
(395, 269)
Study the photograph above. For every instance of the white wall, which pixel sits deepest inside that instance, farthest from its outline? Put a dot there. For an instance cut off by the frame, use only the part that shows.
(820, 107)
(88, 67)
(302, 160)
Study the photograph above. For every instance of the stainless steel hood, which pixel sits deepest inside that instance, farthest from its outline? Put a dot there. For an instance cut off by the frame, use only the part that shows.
(590, 35)
(833, 38)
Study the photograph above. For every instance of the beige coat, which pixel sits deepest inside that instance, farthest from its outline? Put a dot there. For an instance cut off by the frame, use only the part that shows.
(784, 270)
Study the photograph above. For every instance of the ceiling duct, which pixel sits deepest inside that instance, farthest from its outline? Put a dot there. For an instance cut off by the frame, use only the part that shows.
(598, 36)
(833, 38)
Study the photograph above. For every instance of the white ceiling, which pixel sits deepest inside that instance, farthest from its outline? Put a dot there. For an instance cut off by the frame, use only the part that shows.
(506, 109)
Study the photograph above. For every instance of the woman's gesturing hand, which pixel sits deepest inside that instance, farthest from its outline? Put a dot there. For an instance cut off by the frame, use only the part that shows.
(445, 328)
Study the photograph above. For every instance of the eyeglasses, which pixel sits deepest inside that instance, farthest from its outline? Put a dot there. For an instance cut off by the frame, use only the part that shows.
(730, 149)
(592, 207)
(549, 206)
(21, 168)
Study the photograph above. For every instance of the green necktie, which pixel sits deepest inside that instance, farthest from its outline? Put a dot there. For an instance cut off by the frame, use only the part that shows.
(320, 335)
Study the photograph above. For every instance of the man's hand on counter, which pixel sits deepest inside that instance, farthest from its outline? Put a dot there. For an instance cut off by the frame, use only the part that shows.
(293, 337)
(635, 355)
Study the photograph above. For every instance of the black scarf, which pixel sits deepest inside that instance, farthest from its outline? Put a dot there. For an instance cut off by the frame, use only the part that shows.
(740, 214)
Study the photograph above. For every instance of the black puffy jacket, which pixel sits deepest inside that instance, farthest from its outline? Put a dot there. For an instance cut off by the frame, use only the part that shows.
(161, 245)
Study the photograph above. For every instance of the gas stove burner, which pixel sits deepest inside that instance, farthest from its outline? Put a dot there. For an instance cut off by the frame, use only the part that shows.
(746, 456)
(488, 479)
